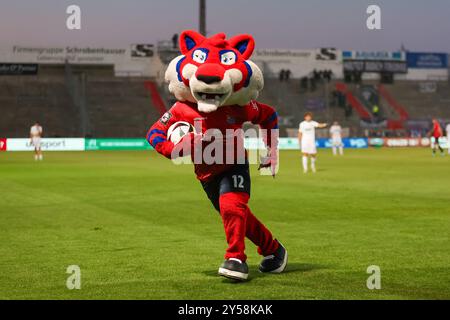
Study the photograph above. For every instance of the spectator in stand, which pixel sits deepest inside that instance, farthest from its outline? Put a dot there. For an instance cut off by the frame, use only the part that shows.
(329, 75)
(348, 111)
(357, 76)
(316, 75)
(312, 84)
(334, 98)
(287, 74)
(281, 75)
(342, 100)
(304, 83)
(375, 110)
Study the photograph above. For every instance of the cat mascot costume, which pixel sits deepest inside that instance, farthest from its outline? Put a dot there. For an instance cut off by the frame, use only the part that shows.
(215, 86)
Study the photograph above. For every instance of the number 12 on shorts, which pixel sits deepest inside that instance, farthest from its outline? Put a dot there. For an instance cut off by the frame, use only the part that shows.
(238, 181)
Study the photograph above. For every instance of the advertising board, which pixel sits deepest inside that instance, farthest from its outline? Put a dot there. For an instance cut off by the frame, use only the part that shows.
(47, 144)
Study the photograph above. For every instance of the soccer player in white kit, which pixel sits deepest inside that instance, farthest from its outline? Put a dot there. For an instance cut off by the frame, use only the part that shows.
(307, 140)
(447, 129)
(35, 139)
(336, 138)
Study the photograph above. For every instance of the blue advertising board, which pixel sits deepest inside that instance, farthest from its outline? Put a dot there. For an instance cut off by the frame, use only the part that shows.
(374, 55)
(424, 60)
(357, 143)
(292, 143)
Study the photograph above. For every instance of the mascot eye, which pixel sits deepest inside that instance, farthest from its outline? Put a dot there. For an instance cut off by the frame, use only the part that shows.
(199, 56)
(228, 58)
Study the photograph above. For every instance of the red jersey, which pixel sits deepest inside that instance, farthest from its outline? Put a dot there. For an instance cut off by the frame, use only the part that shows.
(437, 130)
(223, 119)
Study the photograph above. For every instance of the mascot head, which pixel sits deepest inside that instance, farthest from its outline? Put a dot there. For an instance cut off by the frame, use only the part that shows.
(214, 72)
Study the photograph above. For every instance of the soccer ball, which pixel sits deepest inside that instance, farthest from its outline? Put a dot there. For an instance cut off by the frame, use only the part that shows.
(178, 130)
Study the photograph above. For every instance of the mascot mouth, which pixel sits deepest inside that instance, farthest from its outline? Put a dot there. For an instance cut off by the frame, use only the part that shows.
(209, 96)
(210, 101)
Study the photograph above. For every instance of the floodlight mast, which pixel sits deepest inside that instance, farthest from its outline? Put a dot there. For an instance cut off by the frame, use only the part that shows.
(202, 17)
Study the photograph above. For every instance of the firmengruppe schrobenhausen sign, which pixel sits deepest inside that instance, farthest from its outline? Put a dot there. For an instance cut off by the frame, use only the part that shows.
(137, 60)
(72, 54)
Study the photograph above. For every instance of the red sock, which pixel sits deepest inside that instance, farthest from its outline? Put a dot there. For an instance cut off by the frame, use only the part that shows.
(239, 222)
(260, 235)
(233, 209)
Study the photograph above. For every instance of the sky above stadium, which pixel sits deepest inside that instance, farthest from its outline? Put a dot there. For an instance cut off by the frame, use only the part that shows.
(417, 24)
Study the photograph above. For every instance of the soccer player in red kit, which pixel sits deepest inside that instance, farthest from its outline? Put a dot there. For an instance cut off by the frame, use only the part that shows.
(215, 85)
(436, 133)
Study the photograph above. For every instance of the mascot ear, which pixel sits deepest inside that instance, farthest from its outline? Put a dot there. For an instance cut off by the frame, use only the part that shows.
(189, 39)
(243, 43)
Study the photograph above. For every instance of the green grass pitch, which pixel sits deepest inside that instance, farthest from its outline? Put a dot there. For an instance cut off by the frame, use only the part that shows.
(140, 227)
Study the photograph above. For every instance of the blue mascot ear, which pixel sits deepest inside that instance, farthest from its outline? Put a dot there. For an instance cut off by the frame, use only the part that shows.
(243, 43)
(190, 39)
(190, 43)
(242, 46)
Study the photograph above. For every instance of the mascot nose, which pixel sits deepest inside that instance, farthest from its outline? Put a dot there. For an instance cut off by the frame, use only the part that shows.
(208, 79)
(210, 73)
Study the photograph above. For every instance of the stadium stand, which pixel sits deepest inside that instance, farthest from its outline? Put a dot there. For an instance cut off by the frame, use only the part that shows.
(119, 107)
(82, 100)
(419, 104)
(292, 102)
(89, 101)
(353, 101)
(26, 100)
(393, 103)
